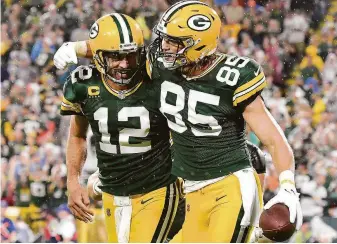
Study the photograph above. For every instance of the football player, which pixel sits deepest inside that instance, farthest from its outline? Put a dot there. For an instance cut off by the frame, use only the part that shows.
(207, 98)
(132, 138)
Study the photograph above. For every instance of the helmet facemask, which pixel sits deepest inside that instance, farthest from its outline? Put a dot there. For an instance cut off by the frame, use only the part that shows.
(122, 76)
(173, 61)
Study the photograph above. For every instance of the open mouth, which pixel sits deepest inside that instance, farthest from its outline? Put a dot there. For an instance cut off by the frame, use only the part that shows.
(169, 59)
(119, 76)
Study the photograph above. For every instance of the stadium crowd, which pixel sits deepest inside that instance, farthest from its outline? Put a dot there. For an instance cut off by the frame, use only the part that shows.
(295, 43)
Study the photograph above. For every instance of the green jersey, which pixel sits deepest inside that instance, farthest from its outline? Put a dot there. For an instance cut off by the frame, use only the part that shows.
(38, 191)
(131, 135)
(205, 115)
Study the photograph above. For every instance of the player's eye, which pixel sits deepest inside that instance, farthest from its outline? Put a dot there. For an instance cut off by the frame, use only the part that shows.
(172, 41)
(112, 56)
(121, 56)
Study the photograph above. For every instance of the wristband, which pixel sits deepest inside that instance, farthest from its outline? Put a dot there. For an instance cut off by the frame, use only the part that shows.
(81, 48)
(287, 176)
(96, 189)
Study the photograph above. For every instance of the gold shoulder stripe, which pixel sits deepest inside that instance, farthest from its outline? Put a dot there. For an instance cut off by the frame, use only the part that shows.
(249, 84)
(148, 68)
(64, 100)
(250, 93)
(251, 88)
(68, 106)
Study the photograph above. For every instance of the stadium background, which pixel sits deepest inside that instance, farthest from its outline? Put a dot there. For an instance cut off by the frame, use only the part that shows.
(295, 42)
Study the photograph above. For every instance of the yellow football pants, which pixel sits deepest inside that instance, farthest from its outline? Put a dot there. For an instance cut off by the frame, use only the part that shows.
(214, 213)
(152, 215)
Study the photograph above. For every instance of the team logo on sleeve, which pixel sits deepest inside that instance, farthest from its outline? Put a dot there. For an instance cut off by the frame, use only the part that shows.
(199, 22)
(93, 31)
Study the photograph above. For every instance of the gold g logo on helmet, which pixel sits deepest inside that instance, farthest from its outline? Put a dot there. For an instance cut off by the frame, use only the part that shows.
(199, 22)
(195, 25)
(93, 31)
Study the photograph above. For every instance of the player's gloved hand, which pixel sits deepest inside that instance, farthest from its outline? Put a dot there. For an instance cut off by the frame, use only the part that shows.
(288, 196)
(256, 235)
(65, 55)
(93, 186)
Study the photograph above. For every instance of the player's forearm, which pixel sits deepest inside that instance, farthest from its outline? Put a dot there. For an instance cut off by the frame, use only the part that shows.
(76, 155)
(275, 141)
(77, 147)
(82, 49)
(271, 135)
(281, 154)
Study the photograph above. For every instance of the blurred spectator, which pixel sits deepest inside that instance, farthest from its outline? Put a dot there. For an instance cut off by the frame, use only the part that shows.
(23, 196)
(24, 233)
(50, 232)
(303, 176)
(310, 71)
(81, 33)
(277, 105)
(66, 227)
(8, 230)
(246, 28)
(329, 73)
(313, 58)
(321, 231)
(57, 191)
(52, 18)
(295, 28)
(259, 32)
(313, 194)
(247, 46)
(234, 13)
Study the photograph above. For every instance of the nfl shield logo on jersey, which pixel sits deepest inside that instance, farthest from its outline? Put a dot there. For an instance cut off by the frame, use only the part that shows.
(108, 212)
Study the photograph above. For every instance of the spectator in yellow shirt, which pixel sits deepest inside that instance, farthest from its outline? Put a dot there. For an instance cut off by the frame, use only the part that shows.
(317, 61)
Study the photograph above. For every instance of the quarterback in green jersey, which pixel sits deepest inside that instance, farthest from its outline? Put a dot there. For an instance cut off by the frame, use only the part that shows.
(208, 97)
(115, 98)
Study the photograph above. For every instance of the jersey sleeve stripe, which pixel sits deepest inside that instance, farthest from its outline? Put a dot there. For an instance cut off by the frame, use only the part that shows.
(250, 88)
(68, 106)
(249, 84)
(249, 92)
(64, 100)
(149, 68)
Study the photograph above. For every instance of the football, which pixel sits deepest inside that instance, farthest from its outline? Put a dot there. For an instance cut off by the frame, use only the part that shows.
(275, 223)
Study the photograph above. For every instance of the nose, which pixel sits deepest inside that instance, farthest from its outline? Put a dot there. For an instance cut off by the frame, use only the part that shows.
(165, 45)
(124, 63)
